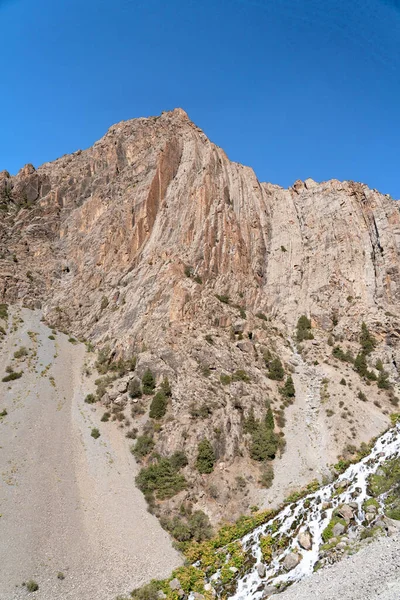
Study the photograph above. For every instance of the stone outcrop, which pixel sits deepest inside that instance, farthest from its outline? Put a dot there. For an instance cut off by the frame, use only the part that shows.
(153, 242)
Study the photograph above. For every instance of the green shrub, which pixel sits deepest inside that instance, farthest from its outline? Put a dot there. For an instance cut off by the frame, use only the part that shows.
(21, 352)
(148, 382)
(12, 376)
(240, 375)
(269, 419)
(105, 417)
(251, 423)
(147, 592)
(338, 353)
(367, 340)
(3, 413)
(288, 390)
(178, 460)
(225, 379)
(4, 311)
(134, 389)
(158, 406)
(32, 586)
(267, 475)
(224, 298)
(161, 478)
(327, 534)
(362, 396)
(166, 387)
(90, 399)
(262, 316)
(95, 433)
(144, 445)
(304, 329)
(264, 443)
(276, 370)
(383, 380)
(343, 381)
(205, 457)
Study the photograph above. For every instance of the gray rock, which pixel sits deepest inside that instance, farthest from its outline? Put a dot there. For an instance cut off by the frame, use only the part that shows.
(305, 540)
(346, 512)
(175, 584)
(161, 595)
(261, 570)
(291, 561)
(338, 529)
(269, 590)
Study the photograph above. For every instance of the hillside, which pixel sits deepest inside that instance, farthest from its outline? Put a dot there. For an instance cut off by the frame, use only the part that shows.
(245, 334)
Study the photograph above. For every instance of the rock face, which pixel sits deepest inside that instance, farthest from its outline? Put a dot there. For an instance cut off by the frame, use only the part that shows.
(154, 243)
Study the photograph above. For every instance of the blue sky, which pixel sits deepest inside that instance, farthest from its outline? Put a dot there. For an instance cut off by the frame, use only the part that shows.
(293, 88)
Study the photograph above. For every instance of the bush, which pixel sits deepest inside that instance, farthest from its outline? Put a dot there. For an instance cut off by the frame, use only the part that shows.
(225, 379)
(166, 387)
(304, 329)
(240, 375)
(338, 353)
(3, 413)
(95, 433)
(367, 340)
(147, 592)
(144, 445)
(32, 586)
(90, 399)
(269, 419)
(161, 478)
(276, 371)
(21, 352)
(12, 376)
(267, 475)
(343, 381)
(288, 390)
(205, 457)
(105, 417)
(148, 382)
(264, 443)
(4, 311)
(383, 380)
(262, 316)
(158, 406)
(251, 423)
(224, 298)
(135, 389)
(178, 460)
(362, 396)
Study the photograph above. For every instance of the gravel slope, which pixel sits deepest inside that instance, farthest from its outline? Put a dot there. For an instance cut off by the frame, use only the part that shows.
(371, 574)
(68, 502)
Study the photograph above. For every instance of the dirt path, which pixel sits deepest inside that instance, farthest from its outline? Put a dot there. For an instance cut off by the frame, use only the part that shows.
(305, 456)
(68, 502)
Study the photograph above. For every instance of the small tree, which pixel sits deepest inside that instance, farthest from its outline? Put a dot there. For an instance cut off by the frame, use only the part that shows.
(383, 380)
(269, 419)
(166, 387)
(148, 382)
(264, 444)
(360, 364)
(288, 389)
(158, 406)
(304, 329)
(251, 423)
(135, 389)
(367, 340)
(276, 371)
(205, 457)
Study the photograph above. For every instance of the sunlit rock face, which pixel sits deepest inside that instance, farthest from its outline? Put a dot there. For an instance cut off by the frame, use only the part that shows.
(129, 242)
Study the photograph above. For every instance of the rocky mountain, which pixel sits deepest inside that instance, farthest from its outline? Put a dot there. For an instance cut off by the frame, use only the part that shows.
(168, 258)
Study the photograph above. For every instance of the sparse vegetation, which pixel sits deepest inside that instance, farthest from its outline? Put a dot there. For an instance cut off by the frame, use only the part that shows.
(160, 478)
(148, 382)
(12, 376)
(367, 340)
(205, 457)
(144, 445)
(32, 586)
(276, 370)
(158, 406)
(95, 433)
(224, 298)
(21, 352)
(90, 399)
(303, 331)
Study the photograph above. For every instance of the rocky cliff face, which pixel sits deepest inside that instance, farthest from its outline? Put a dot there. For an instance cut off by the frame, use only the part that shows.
(130, 243)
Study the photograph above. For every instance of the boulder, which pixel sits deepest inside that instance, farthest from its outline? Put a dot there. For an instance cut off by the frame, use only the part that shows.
(161, 595)
(346, 512)
(338, 529)
(122, 385)
(269, 590)
(261, 570)
(105, 399)
(121, 401)
(175, 584)
(197, 596)
(371, 509)
(291, 560)
(305, 540)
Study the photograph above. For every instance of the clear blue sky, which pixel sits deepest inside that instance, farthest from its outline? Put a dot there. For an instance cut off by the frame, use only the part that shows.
(293, 88)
